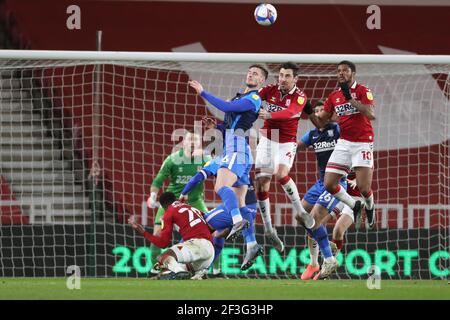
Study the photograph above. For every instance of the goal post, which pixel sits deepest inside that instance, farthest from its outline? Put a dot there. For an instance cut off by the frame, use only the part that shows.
(48, 101)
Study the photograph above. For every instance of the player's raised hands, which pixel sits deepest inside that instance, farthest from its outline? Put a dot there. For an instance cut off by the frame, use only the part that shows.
(209, 123)
(196, 85)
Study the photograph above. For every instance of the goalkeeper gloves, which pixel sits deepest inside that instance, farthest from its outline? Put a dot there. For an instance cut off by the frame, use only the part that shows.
(151, 201)
(308, 109)
(346, 90)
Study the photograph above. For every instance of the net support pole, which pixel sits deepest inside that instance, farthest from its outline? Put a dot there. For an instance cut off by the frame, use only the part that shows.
(95, 167)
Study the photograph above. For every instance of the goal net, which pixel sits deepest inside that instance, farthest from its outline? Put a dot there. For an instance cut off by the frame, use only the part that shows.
(83, 139)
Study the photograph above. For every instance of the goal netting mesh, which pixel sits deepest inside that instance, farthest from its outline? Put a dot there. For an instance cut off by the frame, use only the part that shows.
(82, 141)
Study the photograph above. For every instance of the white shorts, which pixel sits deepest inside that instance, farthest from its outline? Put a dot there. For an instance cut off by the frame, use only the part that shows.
(347, 155)
(198, 253)
(270, 154)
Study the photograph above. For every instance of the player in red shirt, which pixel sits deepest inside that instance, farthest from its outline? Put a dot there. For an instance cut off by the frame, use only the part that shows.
(277, 146)
(354, 104)
(195, 253)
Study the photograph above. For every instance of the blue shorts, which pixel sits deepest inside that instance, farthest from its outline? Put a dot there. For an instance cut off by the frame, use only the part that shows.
(215, 164)
(219, 218)
(318, 195)
(240, 163)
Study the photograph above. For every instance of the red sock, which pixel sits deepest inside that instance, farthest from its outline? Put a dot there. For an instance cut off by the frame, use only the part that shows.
(262, 195)
(338, 188)
(284, 180)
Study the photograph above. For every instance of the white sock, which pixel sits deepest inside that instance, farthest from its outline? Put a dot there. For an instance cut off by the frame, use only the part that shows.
(343, 196)
(264, 208)
(313, 252)
(292, 193)
(329, 259)
(173, 265)
(369, 201)
(251, 245)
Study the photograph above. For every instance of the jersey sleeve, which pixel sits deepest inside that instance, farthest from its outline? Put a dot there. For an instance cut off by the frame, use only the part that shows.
(166, 231)
(328, 105)
(365, 95)
(306, 139)
(294, 108)
(255, 100)
(240, 105)
(163, 173)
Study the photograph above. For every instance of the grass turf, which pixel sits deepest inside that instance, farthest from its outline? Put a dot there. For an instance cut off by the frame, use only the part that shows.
(137, 289)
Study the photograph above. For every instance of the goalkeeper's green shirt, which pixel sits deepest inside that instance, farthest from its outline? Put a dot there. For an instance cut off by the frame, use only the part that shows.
(180, 170)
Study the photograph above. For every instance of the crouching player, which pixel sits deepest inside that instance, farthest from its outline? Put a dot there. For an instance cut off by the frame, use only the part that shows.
(195, 253)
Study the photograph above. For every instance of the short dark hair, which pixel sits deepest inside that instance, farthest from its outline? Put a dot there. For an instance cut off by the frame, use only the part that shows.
(350, 64)
(290, 65)
(264, 70)
(321, 102)
(166, 199)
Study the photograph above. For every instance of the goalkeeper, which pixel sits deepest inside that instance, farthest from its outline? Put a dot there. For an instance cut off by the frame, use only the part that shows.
(179, 168)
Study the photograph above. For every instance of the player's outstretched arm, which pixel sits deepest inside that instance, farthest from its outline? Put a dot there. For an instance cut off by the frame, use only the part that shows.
(195, 180)
(225, 106)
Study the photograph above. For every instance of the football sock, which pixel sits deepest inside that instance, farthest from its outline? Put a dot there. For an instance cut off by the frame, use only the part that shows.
(248, 233)
(342, 195)
(218, 246)
(321, 237)
(264, 208)
(231, 203)
(313, 251)
(291, 191)
(368, 199)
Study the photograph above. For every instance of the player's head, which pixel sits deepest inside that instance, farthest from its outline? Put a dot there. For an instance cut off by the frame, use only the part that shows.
(319, 106)
(288, 76)
(256, 76)
(166, 199)
(346, 71)
(191, 142)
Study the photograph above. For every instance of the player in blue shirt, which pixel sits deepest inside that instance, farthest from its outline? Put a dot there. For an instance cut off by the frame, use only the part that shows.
(240, 114)
(317, 200)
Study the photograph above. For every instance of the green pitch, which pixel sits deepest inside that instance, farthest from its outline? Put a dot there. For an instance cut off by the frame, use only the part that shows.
(55, 288)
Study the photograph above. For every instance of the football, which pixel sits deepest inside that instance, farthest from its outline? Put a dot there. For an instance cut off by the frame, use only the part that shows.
(265, 14)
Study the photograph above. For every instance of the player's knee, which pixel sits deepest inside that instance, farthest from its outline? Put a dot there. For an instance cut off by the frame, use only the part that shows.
(262, 184)
(330, 186)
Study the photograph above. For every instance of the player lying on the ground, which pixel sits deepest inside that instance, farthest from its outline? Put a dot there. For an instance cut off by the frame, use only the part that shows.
(220, 219)
(195, 253)
(354, 104)
(240, 114)
(317, 200)
(275, 152)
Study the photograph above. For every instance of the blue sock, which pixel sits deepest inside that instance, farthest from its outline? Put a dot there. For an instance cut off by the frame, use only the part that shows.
(249, 233)
(230, 201)
(321, 237)
(218, 246)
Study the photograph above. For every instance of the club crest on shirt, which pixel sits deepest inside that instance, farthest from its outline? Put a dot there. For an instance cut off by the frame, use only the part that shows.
(330, 132)
(288, 102)
(369, 95)
(300, 100)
